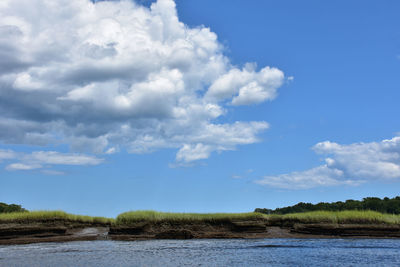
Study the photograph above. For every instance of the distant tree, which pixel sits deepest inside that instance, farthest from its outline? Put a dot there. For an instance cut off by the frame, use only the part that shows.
(385, 205)
(6, 208)
(373, 203)
(265, 211)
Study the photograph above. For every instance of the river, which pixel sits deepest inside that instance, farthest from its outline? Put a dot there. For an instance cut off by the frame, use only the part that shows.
(233, 252)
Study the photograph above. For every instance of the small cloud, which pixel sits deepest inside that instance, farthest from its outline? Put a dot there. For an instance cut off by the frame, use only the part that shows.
(244, 175)
(37, 159)
(57, 158)
(186, 164)
(22, 167)
(111, 150)
(193, 152)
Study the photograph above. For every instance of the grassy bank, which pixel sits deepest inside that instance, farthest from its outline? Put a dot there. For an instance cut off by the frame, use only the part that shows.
(335, 217)
(153, 216)
(47, 216)
(339, 217)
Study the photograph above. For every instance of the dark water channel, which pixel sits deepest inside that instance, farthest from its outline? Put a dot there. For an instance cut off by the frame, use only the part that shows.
(259, 252)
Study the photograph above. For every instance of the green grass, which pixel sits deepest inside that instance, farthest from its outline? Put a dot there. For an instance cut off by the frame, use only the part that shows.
(46, 216)
(340, 217)
(147, 215)
(336, 217)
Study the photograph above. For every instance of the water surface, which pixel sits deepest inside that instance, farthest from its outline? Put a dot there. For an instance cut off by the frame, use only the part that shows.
(259, 252)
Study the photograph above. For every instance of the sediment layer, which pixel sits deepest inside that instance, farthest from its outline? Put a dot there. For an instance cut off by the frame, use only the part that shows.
(188, 230)
(17, 233)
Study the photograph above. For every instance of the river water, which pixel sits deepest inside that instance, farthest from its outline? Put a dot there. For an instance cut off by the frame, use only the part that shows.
(244, 252)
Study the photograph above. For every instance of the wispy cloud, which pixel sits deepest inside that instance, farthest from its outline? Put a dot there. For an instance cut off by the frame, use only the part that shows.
(22, 167)
(245, 174)
(319, 176)
(7, 154)
(56, 158)
(52, 172)
(44, 159)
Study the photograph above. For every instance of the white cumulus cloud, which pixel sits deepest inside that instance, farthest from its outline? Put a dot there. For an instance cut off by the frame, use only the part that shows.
(345, 165)
(114, 75)
(247, 86)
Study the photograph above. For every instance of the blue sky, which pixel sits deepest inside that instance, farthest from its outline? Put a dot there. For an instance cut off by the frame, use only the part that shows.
(115, 106)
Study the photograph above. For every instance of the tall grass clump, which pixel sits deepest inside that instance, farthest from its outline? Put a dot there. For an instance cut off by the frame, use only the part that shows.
(339, 217)
(48, 216)
(154, 216)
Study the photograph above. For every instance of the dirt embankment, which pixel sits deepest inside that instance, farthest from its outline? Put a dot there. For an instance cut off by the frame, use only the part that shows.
(348, 230)
(16, 233)
(188, 230)
(251, 229)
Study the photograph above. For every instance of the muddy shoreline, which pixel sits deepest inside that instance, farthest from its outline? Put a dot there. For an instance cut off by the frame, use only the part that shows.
(59, 231)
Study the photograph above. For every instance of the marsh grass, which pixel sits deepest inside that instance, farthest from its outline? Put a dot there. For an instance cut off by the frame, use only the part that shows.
(335, 217)
(339, 217)
(154, 216)
(47, 216)
(131, 217)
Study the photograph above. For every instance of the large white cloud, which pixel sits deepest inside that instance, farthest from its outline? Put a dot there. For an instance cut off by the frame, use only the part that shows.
(345, 165)
(116, 75)
(375, 160)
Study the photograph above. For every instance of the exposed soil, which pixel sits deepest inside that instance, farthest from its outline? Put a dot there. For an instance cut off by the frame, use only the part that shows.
(66, 231)
(348, 230)
(11, 234)
(180, 230)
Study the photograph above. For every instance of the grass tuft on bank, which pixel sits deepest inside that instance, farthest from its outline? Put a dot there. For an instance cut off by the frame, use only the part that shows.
(154, 216)
(338, 217)
(48, 216)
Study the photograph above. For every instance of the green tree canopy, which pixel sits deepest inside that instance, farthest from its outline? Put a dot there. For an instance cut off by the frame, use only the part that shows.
(385, 205)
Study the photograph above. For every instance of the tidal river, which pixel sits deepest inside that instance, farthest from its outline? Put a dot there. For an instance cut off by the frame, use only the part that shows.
(244, 252)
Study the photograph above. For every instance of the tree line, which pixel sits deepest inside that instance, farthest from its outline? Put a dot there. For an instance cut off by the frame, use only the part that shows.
(5, 208)
(385, 205)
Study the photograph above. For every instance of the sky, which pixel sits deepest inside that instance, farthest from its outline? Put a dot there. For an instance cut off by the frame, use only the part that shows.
(197, 106)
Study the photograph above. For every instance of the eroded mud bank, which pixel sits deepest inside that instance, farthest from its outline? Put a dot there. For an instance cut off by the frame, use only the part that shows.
(17, 233)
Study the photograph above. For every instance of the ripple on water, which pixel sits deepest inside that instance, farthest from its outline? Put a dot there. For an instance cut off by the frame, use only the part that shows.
(243, 252)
